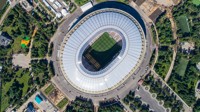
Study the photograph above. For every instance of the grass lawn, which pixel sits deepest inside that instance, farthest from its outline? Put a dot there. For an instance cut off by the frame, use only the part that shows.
(81, 2)
(24, 79)
(99, 1)
(183, 23)
(196, 2)
(62, 103)
(4, 103)
(182, 66)
(104, 49)
(4, 98)
(49, 89)
(103, 43)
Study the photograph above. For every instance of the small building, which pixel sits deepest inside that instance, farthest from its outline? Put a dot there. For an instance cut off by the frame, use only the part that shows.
(4, 41)
(197, 89)
(86, 6)
(30, 107)
(198, 66)
(1, 68)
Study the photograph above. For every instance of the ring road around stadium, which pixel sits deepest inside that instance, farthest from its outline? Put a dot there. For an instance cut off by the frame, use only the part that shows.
(95, 66)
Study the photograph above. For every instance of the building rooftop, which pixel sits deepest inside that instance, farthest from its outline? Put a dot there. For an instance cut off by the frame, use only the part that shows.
(86, 6)
(120, 68)
(4, 41)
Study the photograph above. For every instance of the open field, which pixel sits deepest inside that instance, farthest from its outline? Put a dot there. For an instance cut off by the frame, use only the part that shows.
(183, 23)
(62, 103)
(103, 43)
(49, 89)
(103, 50)
(81, 2)
(196, 2)
(182, 66)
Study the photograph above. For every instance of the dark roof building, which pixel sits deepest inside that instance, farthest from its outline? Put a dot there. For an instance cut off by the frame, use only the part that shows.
(155, 14)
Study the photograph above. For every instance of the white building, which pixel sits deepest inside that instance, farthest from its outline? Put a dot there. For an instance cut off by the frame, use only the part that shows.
(86, 6)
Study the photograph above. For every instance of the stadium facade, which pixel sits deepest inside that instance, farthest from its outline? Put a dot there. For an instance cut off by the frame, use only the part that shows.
(102, 18)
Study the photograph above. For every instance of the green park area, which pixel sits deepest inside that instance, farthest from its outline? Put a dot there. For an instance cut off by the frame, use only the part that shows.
(163, 93)
(163, 63)
(49, 89)
(185, 74)
(181, 67)
(80, 104)
(17, 82)
(81, 2)
(15, 88)
(196, 2)
(62, 103)
(163, 26)
(183, 24)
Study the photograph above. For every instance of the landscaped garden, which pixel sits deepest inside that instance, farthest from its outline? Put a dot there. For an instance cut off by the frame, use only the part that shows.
(19, 84)
(49, 89)
(185, 74)
(163, 94)
(62, 103)
(165, 52)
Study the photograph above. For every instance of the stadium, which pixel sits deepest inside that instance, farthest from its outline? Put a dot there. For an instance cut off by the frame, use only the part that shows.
(103, 49)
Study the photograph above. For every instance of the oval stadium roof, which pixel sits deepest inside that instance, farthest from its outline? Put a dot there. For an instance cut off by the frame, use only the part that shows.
(120, 69)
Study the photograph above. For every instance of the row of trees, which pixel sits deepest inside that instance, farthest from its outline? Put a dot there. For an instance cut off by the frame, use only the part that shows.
(164, 61)
(80, 104)
(135, 103)
(164, 30)
(110, 105)
(16, 84)
(163, 94)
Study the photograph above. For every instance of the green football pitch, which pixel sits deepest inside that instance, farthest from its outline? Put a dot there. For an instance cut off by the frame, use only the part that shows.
(104, 49)
(196, 2)
(103, 43)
